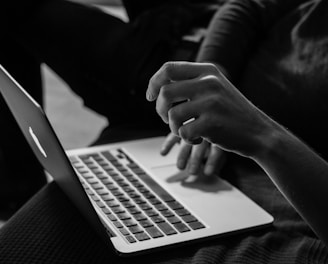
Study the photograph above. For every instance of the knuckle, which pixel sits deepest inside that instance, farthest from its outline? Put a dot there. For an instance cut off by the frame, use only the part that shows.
(158, 107)
(167, 68)
(213, 102)
(174, 123)
(165, 92)
(174, 114)
(184, 134)
(211, 82)
(211, 68)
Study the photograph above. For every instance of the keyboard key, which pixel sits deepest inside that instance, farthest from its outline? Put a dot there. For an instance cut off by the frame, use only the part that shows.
(196, 225)
(100, 204)
(97, 186)
(160, 207)
(134, 195)
(90, 192)
(111, 217)
(112, 204)
(124, 231)
(144, 191)
(135, 229)
(145, 207)
(151, 213)
(154, 201)
(116, 163)
(181, 212)
(107, 181)
(118, 210)
(108, 156)
(111, 187)
(107, 197)
(121, 168)
(167, 213)
(88, 176)
(133, 165)
(126, 173)
(73, 159)
(123, 199)
(106, 210)
(140, 217)
(167, 229)
(152, 184)
(130, 239)
(181, 227)
(173, 219)
(189, 218)
(139, 200)
(138, 185)
(123, 184)
(138, 171)
(117, 193)
(146, 223)
(92, 180)
(148, 195)
(175, 205)
(102, 176)
(157, 219)
(129, 222)
(154, 232)
(102, 191)
(134, 210)
(142, 236)
(117, 224)
(117, 178)
(95, 198)
(123, 216)
(128, 205)
(133, 180)
(128, 189)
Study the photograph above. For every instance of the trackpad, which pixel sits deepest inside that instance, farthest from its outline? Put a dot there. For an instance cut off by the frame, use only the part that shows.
(173, 178)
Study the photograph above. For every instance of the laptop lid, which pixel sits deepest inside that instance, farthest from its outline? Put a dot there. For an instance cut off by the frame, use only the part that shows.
(42, 139)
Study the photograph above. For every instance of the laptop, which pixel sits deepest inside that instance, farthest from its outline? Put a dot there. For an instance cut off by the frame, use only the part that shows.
(134, 198)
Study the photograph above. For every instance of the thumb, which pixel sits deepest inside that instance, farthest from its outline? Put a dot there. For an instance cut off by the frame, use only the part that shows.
(170, 72)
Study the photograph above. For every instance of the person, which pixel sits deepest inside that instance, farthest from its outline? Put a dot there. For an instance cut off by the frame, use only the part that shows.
(221, 115)
(93, 52)
(199, 103)
(288, 29)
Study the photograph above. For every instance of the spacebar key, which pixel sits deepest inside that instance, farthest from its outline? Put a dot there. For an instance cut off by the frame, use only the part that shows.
(153, 185)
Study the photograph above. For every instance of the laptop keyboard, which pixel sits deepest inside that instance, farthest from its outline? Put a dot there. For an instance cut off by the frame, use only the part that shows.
(137, 205)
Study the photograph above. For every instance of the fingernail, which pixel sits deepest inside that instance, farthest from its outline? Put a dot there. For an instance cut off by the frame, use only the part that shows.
(209, 170)
(163, 151)
(149, 96)
(193, 169)
(180, 164)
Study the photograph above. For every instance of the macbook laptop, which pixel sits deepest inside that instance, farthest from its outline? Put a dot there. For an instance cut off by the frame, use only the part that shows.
(137, 200)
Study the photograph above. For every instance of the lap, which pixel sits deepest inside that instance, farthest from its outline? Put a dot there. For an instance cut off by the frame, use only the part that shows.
(50, 229)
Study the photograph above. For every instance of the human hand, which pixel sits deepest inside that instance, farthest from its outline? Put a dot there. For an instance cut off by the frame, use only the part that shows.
(198, 102)
(205, 158)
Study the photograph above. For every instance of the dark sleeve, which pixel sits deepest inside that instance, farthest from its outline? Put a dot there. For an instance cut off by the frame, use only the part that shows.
(237, 28)
(65, 34)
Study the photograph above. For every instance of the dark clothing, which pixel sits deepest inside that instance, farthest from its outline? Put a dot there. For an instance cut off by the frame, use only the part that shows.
(49, 229)
(104, 60)
(276, 53)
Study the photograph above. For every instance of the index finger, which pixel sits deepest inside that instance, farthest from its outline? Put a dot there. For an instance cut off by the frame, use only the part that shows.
(170, 72)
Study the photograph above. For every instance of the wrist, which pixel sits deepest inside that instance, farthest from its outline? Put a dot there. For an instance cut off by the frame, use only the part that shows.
(270, 141)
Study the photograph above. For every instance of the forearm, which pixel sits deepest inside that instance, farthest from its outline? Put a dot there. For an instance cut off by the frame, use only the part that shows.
(299, 173)
(236, 30)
